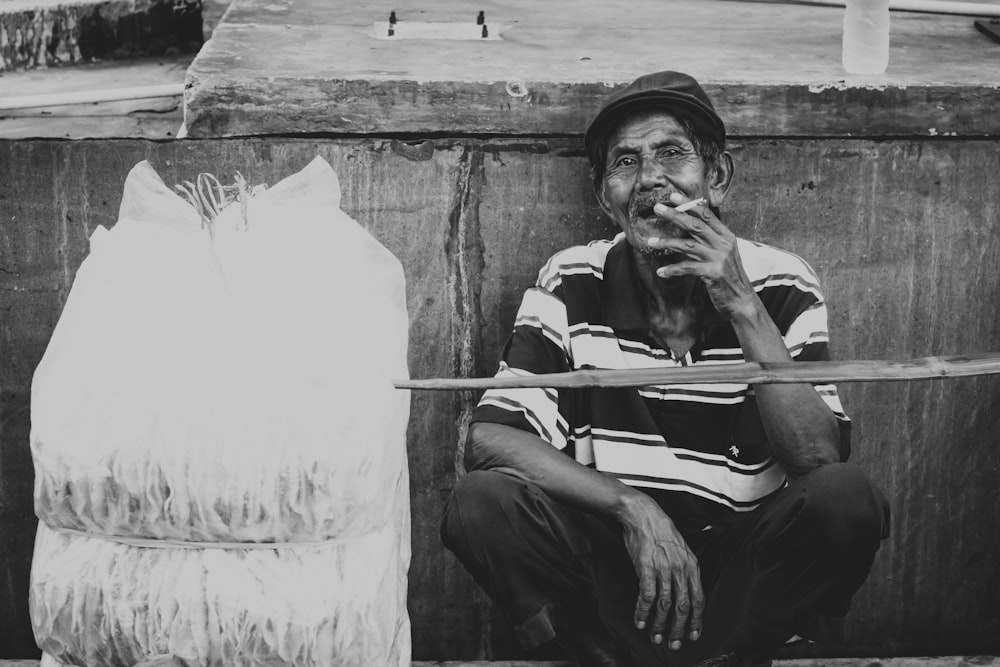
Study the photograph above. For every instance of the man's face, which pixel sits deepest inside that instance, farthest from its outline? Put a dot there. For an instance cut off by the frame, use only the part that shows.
(649, 158)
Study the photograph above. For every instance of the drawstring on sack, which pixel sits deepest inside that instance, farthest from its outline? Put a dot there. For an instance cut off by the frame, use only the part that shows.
(209, 197)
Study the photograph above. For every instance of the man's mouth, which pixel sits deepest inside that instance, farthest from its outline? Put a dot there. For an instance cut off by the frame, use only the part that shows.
(642, 216)
(641, 206)
(645, 212)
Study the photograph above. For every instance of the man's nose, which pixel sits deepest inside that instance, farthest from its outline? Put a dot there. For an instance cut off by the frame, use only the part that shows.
(651, 175)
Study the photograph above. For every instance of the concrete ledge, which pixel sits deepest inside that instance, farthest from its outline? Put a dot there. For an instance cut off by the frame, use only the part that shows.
(298, 68)
(44, 33)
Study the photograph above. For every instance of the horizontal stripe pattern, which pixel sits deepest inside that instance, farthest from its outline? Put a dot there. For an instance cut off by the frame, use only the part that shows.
(538, 406)
(704, 441)
(541, 310)
(717, 394)
(585, 260)
(688, 487)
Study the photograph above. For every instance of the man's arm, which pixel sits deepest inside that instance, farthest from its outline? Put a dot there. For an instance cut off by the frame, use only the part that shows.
(802, 430)
(526, 456)
(669, 579)
(800, 427)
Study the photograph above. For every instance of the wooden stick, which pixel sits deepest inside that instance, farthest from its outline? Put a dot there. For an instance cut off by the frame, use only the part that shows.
(928, 368)
(921, 6)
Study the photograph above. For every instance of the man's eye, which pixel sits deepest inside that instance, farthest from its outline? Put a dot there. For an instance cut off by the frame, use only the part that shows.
(671, 151)
(624, 161)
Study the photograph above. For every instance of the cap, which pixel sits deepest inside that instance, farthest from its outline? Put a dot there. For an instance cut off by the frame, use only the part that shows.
(670, 91)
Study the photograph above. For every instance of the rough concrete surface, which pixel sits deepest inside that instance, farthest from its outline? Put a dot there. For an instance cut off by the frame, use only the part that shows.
(903, 235)
(770, 71)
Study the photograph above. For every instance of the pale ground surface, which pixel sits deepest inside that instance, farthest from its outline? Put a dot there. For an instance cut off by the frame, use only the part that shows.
(151, 118)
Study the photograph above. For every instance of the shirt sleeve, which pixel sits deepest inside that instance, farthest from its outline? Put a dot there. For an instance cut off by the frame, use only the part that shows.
(538, 344)
(807, 338)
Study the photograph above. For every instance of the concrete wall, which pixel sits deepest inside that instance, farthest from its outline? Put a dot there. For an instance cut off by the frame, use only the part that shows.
(904, 236)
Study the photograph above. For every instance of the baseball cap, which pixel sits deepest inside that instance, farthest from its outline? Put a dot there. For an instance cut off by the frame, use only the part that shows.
(669, 91)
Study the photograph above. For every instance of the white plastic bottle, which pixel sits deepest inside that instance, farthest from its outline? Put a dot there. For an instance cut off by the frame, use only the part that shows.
(866, 36)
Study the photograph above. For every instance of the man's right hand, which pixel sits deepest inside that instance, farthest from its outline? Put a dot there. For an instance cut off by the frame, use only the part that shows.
(670, 600)
(669, 578)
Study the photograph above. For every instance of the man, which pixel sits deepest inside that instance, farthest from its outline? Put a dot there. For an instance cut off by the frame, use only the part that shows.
(677, 524)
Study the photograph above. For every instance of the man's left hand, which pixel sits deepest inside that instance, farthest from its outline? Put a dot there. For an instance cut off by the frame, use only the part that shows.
(709, 252)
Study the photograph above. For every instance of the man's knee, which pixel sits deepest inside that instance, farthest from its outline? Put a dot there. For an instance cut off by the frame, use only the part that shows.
(847, 510)
(480, 507)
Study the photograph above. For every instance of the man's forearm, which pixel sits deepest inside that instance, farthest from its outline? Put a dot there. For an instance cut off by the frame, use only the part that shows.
(800, 427)
(668, 572)
(527, 456)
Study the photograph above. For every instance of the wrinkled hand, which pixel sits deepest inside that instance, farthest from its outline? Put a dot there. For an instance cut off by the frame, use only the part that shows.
(711, 253)
(669, 579)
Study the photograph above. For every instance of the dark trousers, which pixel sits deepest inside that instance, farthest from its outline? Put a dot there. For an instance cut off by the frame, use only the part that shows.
(788, 567)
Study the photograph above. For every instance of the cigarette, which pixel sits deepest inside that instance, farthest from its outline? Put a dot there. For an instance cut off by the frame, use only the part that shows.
(687, 206)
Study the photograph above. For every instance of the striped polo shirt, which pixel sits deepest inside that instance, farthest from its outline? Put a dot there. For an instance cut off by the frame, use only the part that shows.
(698, 449)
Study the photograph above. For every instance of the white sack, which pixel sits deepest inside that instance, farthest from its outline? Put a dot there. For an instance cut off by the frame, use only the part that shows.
(340, 603)
(227, 390)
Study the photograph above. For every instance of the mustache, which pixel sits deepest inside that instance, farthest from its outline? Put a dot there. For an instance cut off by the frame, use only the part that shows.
(640, 204)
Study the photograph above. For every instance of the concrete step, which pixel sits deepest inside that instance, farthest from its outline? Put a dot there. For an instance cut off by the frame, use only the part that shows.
(47, 33)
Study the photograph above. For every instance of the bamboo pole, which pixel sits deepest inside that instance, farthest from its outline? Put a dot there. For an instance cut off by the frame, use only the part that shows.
(927, 368)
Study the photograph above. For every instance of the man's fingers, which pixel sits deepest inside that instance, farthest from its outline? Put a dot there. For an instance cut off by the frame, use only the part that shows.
(690, 221)
(685, 268)
(699, 221)
(664, 602)
(705, 214)
(647, 594)
(689, 247)
(682, 611)
(697, 605)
